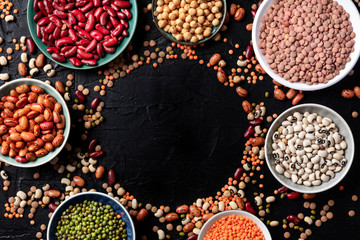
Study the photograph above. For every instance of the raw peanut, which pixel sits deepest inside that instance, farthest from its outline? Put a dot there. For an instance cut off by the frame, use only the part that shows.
(239, 14)
(279, 94)
(21, 103)
(221, 76)
(183, 209)
(357, 91)
(347, 93)
(33, 148)
(194, 211)
(56, 117)
(48, 103)
(24, 88)
(40, 153)
(32, 97)
(258, 67)
(10, 122)
(188, 227)
(30, 156)
(15, 137)
(48, 146)
(36, 89)
(40, 99)
(291, 93)
(8, 113)
(207, 216)
(13, 93)
(247, 106)
(215, 59)
(37, 107)
(54, 193)
(258, 141)
(240, 203)
(22, 152)
(241, 91)
(40, 118)
(79, 181)
(22, 69)
(58, 140)
(3, 129)
(32, 114)
(20, 145)
(233, 9)
(170, 217)
(48, 138)
(40, 60)
(28, 136)
(9, 105)
(99, 173)
(12, 153)
(297, 98)
(309, 196)
(61, 125)
(57, 107)
(59, 86)
(48, 115)
(142, 214)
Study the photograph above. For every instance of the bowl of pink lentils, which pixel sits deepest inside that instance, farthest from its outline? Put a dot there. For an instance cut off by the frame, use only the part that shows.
(307, 44)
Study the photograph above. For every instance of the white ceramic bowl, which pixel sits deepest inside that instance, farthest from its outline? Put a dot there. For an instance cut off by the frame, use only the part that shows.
(252, 217)
(349, 6)
(344, 130)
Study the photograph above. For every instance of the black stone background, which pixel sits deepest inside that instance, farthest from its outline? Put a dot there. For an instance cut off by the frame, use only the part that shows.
(173, 134)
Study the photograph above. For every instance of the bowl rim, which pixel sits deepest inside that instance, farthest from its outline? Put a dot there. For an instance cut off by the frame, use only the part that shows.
(171, 38)
(237, 212)
(297, 85)
(338, 177)
(90, 193)
(67, 64)
(65, 111)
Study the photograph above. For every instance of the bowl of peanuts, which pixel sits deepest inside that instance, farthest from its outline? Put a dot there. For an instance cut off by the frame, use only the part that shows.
(35, 123)
(189, 22)
(241, 224)
(307, 45)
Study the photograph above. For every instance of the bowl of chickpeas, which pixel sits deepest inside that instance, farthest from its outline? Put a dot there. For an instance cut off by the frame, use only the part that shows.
(189, 22)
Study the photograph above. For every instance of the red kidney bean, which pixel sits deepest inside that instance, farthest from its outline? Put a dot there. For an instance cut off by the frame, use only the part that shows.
(80, 96)
(100, 50)
(82, 24)
(38, 31)
(110, 11)
(60, 14)
(83, 54)
(105, 2)
(30, 45)
(96, 35)
(90, 62)
(71, 19)
(58, 7)
(114, 22)
(64, 33)
(57, 33)
(249, 132)
(48, 43)
(95, 103)
(44, 35)
(79, 15)
(89, 12)
(249, 52)
(38, 16)
(97, 3)
(58, 57)
(91, 46)
(97, 13)
(35, 5)
(75, 61)
(84, 34)
(108, 25)
(21, 159)
(92, 145)
(104, 18)
(125, 23)
(51, 38)
(109, 49)
(283, 189)
(50, 28)
(249, 208)
(87, 7)
(122, 4)
(293, 218)
(192, 237)
(125, 33)
(65, 49)
(48, 7)
(110, 42)
(72, 35)
(114, 7)
(121, 15)
(80, 3)
(293, 195)
(56, 21)
(238, 173)
(82, 42)
(255, 122)
(52, 207)
(70, 6)
(90, 24)
(63, 41)
(52, 50)
(253, 13)
(118, 30)
(127, 13)
(96, 154)
(102, 29)
(42, 8)
(78, 27)
(71, 52)
(111, 177)
(44, 21)
(96, 57)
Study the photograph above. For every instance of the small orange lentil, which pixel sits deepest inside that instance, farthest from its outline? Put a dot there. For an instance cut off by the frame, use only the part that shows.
(155, 65)
(24, 48)
(249, 66)
(237, 45)
(99, 72)
(261, 185)
(341, 188)
(102, 87)
(275, 115)
(225, 40)
(246, 70)
(196, 57)
(276, 191)
(5, 188)
(231, 51)
(173, 44)
(16, 11)
(201, 61)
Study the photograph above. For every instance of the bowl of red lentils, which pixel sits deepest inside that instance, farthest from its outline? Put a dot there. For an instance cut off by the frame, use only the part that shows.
(234, 224)
(307, 45)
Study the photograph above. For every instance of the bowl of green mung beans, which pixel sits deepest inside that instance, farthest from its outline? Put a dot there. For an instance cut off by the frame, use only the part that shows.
(90, 215)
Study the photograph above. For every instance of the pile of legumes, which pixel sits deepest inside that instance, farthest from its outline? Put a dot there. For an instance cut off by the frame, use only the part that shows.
(307, 41)
(90, 220)
(31, 123)
(82, 31)
(189, 20)
(308, 148)
(234, 227)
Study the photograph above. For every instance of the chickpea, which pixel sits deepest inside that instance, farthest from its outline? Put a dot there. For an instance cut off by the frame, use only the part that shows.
(187, 36)
(188, 19)
(203, 6)
(192, 11)
(218, 15)
(188, 1)
(199, 31)
(182, 4)
(173, 29)
(172, 16)
(182, 11)
(182, 16)
(160, 2)
(207, 32)
(219, 4)
(215, 10)
(165, 15)
(166, 1)
(210, 17)
(186, 25)
(201, 19)
(162, 23)
(172, 6)
(194, 39)
(176, 2)
(172, 23)
(206, 12)
(167, 28)
(199, 12)
(187, 7)
(159, 9)
(179, 37)
(194, 4)
(200, 37)
(179, 22)
(160, 17)
(215, 22)
(166, 9)
(192, 30)
(193, 24)
(178, 28)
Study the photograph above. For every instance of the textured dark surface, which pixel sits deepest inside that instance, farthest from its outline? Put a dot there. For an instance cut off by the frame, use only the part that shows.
(173, 134)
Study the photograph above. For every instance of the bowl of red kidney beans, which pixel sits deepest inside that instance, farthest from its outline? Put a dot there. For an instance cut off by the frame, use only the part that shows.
(82, 34)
